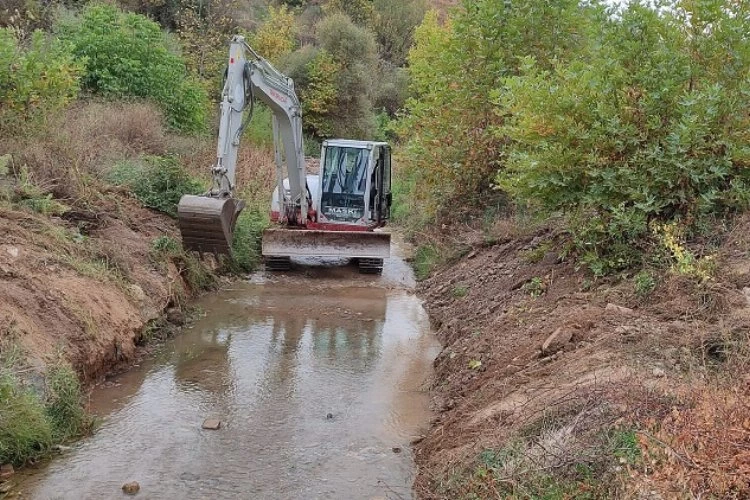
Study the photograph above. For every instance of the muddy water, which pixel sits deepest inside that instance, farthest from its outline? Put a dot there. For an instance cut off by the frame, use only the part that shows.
(318, 376)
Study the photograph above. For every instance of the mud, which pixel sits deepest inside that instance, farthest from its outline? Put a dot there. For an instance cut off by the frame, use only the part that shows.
(319, 378)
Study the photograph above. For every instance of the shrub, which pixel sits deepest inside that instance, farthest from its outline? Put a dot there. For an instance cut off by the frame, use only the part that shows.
(361, 12)
(394, 22)
(315, 74)
(35, 79)
(391, 89)
(642, 131)
(246, 252)
(128, 55)
(204, 29)
(158, 183)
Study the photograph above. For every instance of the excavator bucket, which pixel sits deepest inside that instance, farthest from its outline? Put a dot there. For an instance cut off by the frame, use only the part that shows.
(315, 243)
(206, 223)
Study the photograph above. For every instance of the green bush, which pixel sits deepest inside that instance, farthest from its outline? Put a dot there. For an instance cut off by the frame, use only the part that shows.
(158, 182)
(315, 75)
(246, 252)
(127, 54)
(644, 130)
(30, 422)
(394, 23)
(35, 79)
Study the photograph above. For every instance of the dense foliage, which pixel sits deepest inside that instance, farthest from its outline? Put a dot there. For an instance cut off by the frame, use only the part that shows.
(128, 55)
(33, 420)
(650, 127)
(35, 79)
(455, 67)
(158, 182)
(625, 120)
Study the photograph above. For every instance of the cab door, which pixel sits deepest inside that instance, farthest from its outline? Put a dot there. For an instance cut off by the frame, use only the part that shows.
(387, 197)
(380, 186)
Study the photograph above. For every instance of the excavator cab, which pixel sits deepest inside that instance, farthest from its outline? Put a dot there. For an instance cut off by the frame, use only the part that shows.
(355, 183)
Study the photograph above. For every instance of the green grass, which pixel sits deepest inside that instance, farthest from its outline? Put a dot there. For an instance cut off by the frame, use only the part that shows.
(246, 251)
(624, 445)
(426, 259)
(32, 423)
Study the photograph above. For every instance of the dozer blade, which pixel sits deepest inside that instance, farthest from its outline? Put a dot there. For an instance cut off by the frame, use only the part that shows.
(206, 223)
(309, 243)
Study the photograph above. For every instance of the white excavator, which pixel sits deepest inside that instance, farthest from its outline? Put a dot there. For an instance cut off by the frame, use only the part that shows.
(332, 214)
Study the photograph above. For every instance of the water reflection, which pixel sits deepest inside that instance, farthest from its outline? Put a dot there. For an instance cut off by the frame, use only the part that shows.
(272, 362)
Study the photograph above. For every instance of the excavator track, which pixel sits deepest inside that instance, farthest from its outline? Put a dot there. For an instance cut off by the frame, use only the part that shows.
(277, 264)
(370, 266)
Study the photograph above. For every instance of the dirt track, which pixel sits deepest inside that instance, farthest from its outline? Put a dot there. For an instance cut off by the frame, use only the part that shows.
(540, 360)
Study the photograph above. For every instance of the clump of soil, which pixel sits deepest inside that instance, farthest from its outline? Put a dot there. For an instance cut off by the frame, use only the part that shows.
(553, 382)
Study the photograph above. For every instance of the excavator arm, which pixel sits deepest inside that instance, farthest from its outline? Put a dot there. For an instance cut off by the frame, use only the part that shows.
(206, 222)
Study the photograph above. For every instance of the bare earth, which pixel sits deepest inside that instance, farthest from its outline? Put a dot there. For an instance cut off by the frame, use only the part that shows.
(83, 294)
(537, 352)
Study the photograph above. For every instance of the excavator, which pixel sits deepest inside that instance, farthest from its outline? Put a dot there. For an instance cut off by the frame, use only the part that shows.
(335, 213)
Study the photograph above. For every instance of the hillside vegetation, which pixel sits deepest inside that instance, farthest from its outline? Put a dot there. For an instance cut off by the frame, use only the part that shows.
(578, 173)
(107, 117)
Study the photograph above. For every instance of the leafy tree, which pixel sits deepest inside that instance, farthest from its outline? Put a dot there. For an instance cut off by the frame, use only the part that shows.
(454, 70)
(128, 55)
(362, 12)
(354, 51)
(276, 37)
(393, 23)
(315, 74)
(165, 12)
(649, 128)
(204, 29)
(391, 88)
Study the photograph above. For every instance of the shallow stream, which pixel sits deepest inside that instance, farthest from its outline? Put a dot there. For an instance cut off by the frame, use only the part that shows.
(318, 376)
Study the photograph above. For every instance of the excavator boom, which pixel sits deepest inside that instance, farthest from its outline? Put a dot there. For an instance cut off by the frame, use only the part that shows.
(206, 222)
(331, 215)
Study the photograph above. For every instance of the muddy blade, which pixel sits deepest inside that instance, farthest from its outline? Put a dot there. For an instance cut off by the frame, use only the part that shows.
(306, 243)
(206, 223)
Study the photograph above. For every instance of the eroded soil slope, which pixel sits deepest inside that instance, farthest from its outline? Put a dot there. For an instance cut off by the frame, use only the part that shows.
(555, 385)
(83, 286)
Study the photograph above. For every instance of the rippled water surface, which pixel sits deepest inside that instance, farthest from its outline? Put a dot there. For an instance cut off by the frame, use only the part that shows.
(318, 376)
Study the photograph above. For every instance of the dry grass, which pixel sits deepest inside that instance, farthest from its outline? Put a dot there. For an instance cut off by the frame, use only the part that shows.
(67, 157)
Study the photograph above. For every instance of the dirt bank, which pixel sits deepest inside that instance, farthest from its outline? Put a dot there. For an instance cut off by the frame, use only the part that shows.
(552, 384)
(84, 285)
